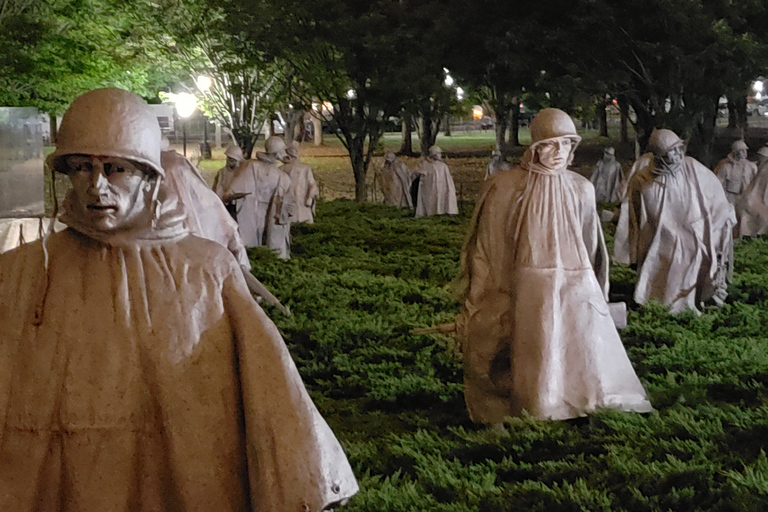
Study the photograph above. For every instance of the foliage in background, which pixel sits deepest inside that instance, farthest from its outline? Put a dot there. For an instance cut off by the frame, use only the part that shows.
(365, 274)
(671, 64)
(55, 50)
(364, 61)
(247, 85)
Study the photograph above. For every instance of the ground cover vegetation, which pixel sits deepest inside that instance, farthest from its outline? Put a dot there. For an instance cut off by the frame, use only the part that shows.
(365, 274)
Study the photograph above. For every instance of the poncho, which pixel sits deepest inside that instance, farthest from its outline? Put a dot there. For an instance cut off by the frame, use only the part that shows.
(137, 373)
(536, 330)
(206, 215)
(395, 179)
(304, 190)
(735, 176)
(606, 178)
(678, 230)
(264, 208)
(496, 164)
(437, 193)
(752, 206)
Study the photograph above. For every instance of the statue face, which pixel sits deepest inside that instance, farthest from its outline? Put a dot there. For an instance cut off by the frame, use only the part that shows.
(436, 156)
(553, 154)
(673, 157)
(232, 163)
(740, 154)
(110, 192)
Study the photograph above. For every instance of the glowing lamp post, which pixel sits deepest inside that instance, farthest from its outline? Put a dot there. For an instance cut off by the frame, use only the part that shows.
(186, 104)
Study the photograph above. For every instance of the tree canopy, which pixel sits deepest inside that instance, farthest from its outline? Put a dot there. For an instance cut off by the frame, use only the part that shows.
(55, 50)
(371, 61)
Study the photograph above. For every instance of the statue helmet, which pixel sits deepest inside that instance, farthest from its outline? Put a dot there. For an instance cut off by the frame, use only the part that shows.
(662, 140)
(609, 151)
(763, 151)
(109, 122)
(275, 146)
(294, 150)
(435, 150)
(389, 156)
(552, 123)
(234, 152)
(738, 145)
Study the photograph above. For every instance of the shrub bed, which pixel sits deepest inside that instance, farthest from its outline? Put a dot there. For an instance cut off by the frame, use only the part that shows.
(365, 274)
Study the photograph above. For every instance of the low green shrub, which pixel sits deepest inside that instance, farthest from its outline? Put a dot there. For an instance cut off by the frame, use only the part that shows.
(364, 275)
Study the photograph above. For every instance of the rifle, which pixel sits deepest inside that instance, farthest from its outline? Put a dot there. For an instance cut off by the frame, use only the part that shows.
(449, 328)
(617, 310)
(257, 287)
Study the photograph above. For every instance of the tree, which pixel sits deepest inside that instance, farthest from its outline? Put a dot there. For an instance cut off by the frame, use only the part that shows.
(245, 87)
(346, 54)
(500, 59)
(672, 63)
(58, 49)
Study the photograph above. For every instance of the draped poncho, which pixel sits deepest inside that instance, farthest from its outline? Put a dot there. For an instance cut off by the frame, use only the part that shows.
(137, 373)
(677, 227)
(536, 330)
(437, 192)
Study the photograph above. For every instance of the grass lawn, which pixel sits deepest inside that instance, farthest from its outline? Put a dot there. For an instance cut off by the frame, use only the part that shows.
(467, 154)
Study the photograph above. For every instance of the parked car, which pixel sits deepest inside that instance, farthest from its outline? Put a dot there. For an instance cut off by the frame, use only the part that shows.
(757, 107)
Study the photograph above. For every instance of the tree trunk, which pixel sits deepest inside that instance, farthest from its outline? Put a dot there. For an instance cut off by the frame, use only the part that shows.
(317, 129)
(426, 137)
(737, 114)
(602, 117)
(732, 114)
(645, 122)
(514, 125)
(429, 129)
(358, 168)
(501, 132)
(501, 113)
(406, 144)
(624, 120)
(703, 136)
(54, 127)
(447, 122)
(428, 132)
(293, 118)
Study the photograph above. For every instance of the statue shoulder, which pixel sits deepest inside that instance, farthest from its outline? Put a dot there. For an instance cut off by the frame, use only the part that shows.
(507, 180)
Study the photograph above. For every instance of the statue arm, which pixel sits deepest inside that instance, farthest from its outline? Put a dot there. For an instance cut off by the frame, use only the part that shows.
(312, 189)
(284, 201)
(483, 260)
(594, 239)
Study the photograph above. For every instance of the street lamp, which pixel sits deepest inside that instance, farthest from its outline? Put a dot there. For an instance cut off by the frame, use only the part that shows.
(204, 83)
(186, 104)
